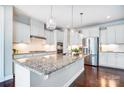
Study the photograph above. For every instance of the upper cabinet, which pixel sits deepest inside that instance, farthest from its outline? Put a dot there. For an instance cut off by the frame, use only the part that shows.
(91, 32)
(120, 34)
(86, 33)
(60, 36)
(103, 36)
(113, 34)
(74, 38)
(21, 32)
(37, 28)
(50, 37)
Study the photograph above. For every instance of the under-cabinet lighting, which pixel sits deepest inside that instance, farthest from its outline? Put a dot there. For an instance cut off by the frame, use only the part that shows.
(108, 17)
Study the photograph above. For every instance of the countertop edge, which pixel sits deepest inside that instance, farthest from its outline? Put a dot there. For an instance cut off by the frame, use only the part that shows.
(42, 73)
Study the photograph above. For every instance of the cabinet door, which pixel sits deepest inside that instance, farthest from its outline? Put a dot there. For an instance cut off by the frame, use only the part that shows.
(85, 33)
(111, 38)
(94, 32)
(103, 59)
(21, 32)
(47, 36)
(72, 37)
(120, 60)
(50, 37)
(37, 28)
(120, 34)
(103, 36)
(60, 36)
(112, 60)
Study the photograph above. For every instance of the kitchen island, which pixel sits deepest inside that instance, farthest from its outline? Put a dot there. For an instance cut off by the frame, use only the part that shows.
(47, 71)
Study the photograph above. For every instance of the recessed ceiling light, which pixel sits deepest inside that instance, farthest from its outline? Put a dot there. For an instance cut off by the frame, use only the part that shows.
(108, 17)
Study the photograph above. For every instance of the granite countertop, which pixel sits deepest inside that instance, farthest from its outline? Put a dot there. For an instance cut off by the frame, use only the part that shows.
(48, 63)
(37, 52)
(111, 51)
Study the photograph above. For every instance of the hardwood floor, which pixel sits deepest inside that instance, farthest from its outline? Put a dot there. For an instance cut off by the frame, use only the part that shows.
(100, 77)
(8, 83)
(92, 77)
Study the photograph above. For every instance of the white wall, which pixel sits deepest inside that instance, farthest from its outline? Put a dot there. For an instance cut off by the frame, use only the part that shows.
(1, 44)
(6, 42)
(8, 31)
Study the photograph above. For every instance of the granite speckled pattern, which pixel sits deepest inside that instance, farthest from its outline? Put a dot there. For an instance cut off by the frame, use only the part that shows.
(47, 64)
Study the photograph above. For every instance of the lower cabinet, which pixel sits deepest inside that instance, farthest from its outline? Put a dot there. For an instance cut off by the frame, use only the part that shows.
(114, 60)
(120, 60)
(103, 59)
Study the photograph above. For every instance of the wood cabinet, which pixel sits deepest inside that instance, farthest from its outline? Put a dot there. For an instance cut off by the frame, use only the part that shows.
(21, 32)
(37, 28)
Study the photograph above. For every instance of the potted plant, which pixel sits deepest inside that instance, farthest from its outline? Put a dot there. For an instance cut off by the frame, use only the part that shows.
(75, 51)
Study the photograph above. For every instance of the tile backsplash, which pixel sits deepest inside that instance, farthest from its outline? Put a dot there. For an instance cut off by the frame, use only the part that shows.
(34, 45)
(113, 47)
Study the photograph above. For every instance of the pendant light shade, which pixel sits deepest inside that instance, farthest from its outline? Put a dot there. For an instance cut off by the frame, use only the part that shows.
(51, 24)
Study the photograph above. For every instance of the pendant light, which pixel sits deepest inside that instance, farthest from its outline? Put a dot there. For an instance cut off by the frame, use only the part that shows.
(51, 24)
(81, 14)
(72, 28)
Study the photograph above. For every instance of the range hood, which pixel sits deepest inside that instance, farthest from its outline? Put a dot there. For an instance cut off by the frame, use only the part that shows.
(38, 37)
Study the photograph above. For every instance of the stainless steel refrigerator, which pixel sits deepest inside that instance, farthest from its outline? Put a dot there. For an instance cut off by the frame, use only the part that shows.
(91, 51)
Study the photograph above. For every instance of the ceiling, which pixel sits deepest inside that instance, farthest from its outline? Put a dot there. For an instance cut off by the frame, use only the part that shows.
(93, 14)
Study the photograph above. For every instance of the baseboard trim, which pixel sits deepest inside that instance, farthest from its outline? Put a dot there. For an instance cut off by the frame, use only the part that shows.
(1, 80)
(73, 78)
(8, 77)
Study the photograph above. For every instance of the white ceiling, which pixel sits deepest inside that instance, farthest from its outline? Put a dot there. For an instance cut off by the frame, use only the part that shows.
(93, 14)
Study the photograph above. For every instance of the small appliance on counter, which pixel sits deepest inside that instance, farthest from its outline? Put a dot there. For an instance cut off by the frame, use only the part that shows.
(91, 51)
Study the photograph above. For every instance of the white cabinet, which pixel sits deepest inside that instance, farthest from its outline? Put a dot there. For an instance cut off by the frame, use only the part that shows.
(37, 28)
(112, 60)
(107, 59)
(75, 38)
(103, 36)
(120, 60)
(120, 34)
(103, 59)
(85, 33)
(60, 36)
(49, 37)
(111, 35)
(21, 33)
(91, 32)
(94, 32)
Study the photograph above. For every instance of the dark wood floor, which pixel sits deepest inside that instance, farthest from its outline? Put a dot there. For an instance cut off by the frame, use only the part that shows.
(100, 77)
(92, 77)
